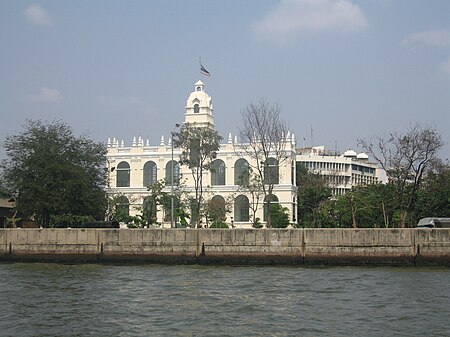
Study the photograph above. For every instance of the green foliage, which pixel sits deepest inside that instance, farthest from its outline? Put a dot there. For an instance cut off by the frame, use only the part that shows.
(51, 172)
(69, 220)
(313, 194)
(219, 224)
(279, 216)
(182, 216)
(118, 208)
(199, 146)
(367, 206)
(433, 198)
(135, 221)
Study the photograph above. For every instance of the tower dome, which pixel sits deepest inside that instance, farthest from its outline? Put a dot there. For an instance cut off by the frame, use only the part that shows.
(199, 108)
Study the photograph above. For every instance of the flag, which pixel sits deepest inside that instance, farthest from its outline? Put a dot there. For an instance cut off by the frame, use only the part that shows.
(204, 71)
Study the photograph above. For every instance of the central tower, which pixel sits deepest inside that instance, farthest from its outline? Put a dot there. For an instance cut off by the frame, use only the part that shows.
(199, 110)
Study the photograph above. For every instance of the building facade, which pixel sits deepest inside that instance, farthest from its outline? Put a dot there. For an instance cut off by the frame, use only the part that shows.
(342, 171)
(132, 169)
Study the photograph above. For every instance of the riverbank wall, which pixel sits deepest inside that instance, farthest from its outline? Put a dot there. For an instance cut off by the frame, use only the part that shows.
(300, 246)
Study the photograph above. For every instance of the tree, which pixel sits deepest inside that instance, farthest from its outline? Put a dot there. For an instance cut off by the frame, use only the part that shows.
(405, 158)
(433, 198)
(199, 146)
(51, 172)
(312, 192)
(264, 134)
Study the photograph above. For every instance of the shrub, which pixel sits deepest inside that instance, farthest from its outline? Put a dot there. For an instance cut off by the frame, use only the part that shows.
(279, 216)
(257, 223)
(219, 224)
(69, 220)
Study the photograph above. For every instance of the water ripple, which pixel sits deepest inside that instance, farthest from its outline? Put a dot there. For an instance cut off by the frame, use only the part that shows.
(154, 300)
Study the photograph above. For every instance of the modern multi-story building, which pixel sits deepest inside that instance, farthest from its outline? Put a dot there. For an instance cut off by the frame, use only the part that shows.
(134, 168)
(342, 171)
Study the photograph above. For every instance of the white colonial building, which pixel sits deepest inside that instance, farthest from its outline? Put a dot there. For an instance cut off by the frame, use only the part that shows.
(134, 168)
(342, 171)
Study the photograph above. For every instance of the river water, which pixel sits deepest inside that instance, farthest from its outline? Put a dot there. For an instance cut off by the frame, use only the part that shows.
(158, 300)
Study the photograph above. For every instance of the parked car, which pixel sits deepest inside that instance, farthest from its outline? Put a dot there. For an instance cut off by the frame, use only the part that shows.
(434, 223)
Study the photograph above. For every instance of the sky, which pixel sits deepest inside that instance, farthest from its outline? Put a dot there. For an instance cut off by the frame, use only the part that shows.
(339, 69)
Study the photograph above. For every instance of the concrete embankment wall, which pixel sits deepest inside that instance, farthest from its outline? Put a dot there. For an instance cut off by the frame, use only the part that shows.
(231, 246)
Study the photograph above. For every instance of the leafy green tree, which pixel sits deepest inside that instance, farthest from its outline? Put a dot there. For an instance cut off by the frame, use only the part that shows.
(53, 172)
(199, 147)
(313, 191)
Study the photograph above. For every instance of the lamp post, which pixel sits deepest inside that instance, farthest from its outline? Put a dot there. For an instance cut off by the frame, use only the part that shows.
(171, 180)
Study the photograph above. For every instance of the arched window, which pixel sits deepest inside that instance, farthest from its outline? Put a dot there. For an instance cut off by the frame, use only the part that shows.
(149, 173)
(217, 172)
(176, 173)
(269, 200)
(196, 108)
(241, 209)
(241, 172)
(271, 175)
(123, 174)
(122, 207)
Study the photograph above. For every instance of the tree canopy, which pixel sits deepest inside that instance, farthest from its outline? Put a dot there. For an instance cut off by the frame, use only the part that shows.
(51, 172)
